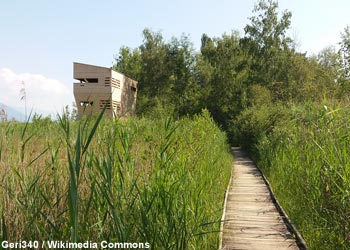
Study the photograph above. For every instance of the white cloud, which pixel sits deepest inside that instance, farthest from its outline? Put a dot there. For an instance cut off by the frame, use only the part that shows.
(44, 95)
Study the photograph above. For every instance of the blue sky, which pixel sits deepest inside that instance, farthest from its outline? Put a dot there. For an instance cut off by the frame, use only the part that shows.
(40, 39)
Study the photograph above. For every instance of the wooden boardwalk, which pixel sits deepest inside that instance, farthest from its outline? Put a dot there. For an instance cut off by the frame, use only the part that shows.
(251, 219)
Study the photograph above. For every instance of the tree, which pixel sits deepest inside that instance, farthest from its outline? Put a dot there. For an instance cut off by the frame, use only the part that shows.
(329, 58)
(345, 51)
(345, 62)
(222, 71)
(267, 45)
(165, 72)
(148, 65)
(155, 63)
(3, 114)
(185, 91)
(266, 29)
(331, 61)
(128, 62)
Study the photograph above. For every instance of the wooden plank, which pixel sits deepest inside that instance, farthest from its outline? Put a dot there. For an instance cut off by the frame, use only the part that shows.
(251, 220)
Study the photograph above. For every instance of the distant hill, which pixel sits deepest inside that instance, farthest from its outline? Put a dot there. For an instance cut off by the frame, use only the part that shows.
(12, 114)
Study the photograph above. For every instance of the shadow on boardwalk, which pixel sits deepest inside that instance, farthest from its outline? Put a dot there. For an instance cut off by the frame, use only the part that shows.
(252, 218)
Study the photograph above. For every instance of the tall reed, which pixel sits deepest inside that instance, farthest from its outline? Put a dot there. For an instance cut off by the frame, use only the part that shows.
(159, 181)
(308, 164)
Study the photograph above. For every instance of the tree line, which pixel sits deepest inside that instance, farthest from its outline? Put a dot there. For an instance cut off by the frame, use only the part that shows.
(232, 73)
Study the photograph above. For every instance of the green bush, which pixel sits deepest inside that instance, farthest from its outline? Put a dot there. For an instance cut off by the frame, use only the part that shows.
(257, 122)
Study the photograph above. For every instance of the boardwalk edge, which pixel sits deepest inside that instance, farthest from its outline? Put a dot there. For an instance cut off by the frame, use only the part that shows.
(224, 209)
(291, 228)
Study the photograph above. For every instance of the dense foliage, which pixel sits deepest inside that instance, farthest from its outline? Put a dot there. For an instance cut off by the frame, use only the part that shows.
(233, 72)
(270, 99)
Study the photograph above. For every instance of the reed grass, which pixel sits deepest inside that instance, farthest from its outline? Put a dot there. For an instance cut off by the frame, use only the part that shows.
(159, 181)
(307, 161)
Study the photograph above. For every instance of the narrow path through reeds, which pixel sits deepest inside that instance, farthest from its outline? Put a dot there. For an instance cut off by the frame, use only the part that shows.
(252, 219)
